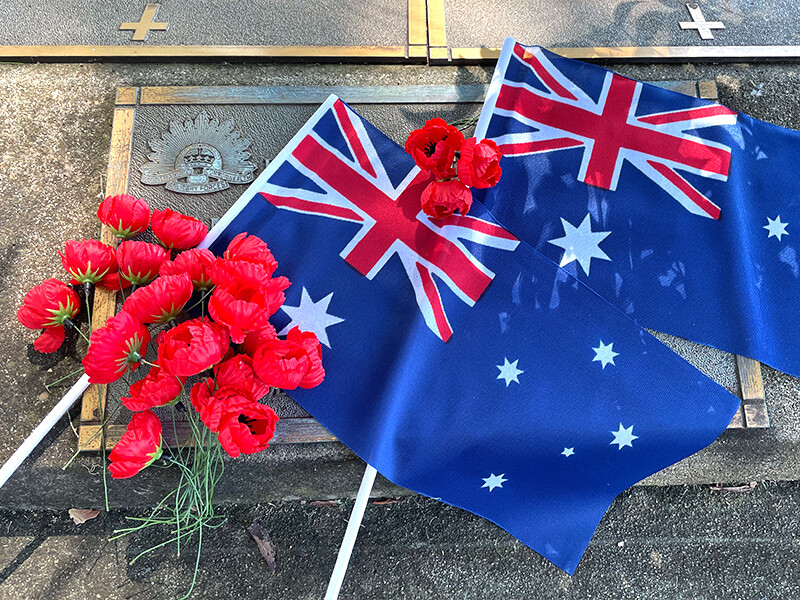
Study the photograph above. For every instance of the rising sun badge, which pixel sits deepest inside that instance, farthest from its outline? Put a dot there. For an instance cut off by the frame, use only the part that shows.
(199, 156)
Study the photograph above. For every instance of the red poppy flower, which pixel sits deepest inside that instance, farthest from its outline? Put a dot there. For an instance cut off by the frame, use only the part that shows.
(434, 147)
(197, 263)
(47, 306)
(247, 430)
(156, 389)
(114, 281)
(124, 215)
(251, 249)
(255, 339)
(88, 260)
(290, 363)
(479, 163)
(245, 297)
(161, 301)
(442, 198)
(201, 397)
(114, 348)
(192, 347)
(139, 262)
(227, 273)
(177, 231)
(139, 446)
(213, 404)
(237, 372)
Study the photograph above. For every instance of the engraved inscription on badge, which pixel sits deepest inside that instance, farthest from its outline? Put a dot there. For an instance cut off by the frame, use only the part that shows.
(199, 156)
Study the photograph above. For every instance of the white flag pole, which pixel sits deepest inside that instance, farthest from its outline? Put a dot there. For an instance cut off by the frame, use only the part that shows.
(349, 540)
(13, 463)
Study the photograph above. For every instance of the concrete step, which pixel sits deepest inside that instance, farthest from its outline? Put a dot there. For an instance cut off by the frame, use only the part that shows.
(654, 543)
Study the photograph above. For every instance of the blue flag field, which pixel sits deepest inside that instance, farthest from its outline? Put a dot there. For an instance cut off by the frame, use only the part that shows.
(677, 210)
(462, 362)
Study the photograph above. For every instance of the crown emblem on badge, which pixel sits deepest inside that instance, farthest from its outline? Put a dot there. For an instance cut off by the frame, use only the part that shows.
(199, 156)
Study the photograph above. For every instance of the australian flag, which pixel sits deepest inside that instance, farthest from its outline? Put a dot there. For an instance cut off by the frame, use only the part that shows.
(677, 210)
(454, 366)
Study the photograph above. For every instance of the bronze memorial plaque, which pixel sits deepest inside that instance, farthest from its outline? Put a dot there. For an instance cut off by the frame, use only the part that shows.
(195, 149)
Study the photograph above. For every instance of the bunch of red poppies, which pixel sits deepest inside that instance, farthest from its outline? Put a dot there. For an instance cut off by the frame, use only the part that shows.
(235, 349)
(457, 164)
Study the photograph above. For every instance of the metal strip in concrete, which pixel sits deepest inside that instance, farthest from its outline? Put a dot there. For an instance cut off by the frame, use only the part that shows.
(642, 54)
(357, 54)
(399, 94)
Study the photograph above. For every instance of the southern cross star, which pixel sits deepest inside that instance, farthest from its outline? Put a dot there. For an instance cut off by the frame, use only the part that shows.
(581, 243)
(623, 437)
(605, 354)
(311, 316)
(776, 228)
(494, 481)
(568, 451)
(509, 372)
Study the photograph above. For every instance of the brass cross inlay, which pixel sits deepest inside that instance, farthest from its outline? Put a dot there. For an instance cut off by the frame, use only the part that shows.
(145, 24)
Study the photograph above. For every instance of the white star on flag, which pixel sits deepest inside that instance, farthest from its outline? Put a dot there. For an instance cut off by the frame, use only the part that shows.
(493, 481)
(581, 243)
(605, 354)
(311, 316)
(568, 451)
(509, 372)
(776, 228)
(623, 437)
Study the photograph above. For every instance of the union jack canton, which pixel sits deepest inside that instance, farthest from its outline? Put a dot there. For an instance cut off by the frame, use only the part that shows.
(348, 182)
(593, 163)
(611, 129)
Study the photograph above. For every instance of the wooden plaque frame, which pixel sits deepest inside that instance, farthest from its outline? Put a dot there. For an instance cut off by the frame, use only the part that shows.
(752, 413)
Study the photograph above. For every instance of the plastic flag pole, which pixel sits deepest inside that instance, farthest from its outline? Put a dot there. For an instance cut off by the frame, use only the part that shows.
(349, 540)
(60, 409)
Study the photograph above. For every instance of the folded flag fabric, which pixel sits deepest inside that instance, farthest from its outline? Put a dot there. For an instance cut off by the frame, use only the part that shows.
(453, 364)
(677, 210)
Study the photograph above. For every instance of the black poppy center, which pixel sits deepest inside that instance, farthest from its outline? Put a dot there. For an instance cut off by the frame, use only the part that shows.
(429, 148)
(256, 426)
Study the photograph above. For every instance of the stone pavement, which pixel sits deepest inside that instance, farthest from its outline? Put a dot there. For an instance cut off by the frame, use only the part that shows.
(205, 22)
(654, 543)
(55, 139)
(467, 23)
(475, 23)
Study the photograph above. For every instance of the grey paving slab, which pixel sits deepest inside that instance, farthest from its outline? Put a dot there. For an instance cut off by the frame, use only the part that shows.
(654, 543)
(205, 22)
(53, 157)
(484, 23)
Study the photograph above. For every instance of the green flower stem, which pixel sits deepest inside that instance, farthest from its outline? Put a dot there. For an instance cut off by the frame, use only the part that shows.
(199, 302)
(462, 124)
(188, 510)
(100, 431)
(71, 324)
(47, 386)
(121, 287)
